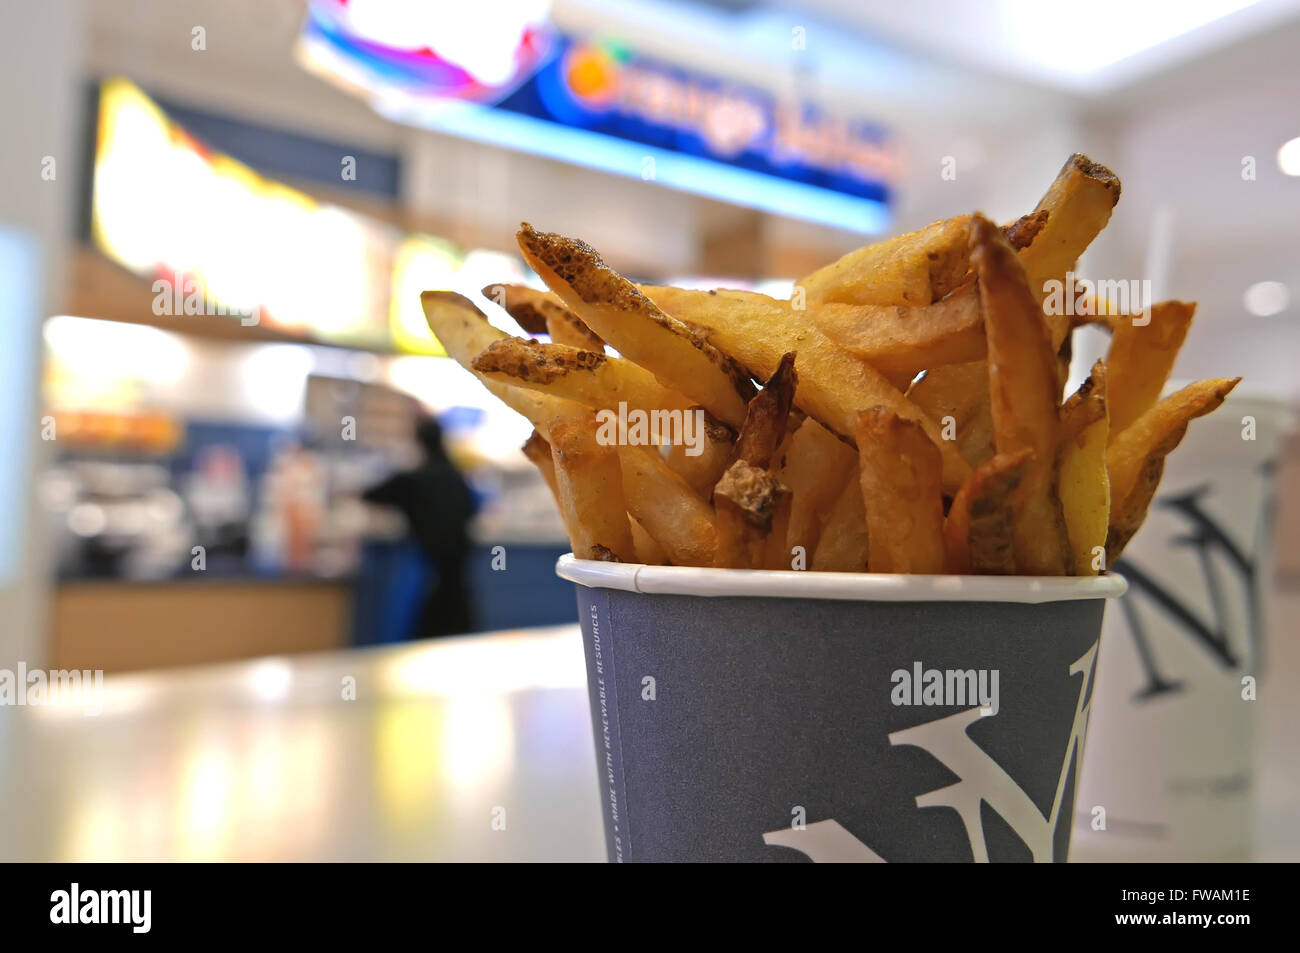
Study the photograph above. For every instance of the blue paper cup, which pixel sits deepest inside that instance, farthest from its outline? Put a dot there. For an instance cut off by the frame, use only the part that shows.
(795, 716)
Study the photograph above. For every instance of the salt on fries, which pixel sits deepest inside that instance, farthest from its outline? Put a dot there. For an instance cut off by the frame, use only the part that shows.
(910, 417)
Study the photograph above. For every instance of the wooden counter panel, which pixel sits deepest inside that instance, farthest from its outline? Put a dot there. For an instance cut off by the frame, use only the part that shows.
(122, 627)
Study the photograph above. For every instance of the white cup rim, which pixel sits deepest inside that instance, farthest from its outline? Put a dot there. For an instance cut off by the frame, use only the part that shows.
(852, 586)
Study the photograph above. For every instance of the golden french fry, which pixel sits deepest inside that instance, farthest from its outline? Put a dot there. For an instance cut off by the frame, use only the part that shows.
(777, 555)
(747, 500)
(633, 324)
(1078, 206)
(590, 483)
(916, 268)
(765, 418)
(647, 550)
(522, 303)
(588, 377)
(464, 332)
(957, 398)
(701, 447)
(1084, 486)
(1023, 388)
(1131, 456)
(1142, 356)
(978, 532)
(717, 448)
(542, 312)
(538, 452)
(842, 544)
(669, 510)
(897, 340)
(1128, 514)
(815, 465)
(901, 474)
(1022, 232)
(833, 384)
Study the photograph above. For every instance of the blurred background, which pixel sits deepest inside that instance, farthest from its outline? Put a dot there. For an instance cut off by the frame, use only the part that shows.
(215, 220)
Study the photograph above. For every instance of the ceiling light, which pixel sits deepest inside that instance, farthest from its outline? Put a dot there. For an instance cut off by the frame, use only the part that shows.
(1265, 298)
(1288, 157)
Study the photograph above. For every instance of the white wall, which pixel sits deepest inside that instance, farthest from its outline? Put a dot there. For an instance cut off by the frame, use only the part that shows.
(40, 72)
(1181, 140)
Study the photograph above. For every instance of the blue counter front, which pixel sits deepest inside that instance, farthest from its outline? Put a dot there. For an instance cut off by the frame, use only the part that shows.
(523, 590)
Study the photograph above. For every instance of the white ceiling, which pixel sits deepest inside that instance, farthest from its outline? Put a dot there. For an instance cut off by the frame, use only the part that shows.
(1088, 48)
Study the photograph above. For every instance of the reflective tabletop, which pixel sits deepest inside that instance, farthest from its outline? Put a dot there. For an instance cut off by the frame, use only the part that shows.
(475, 748)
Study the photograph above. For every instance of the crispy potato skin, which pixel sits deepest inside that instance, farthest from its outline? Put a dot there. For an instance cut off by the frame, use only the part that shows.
(1135, 459)
(590, 484)
(530, 361)
(901, 477)
(1084, 483)
(834, 384)
(1023, 395)
(1142, 357)
(978, 530)
(616, 309)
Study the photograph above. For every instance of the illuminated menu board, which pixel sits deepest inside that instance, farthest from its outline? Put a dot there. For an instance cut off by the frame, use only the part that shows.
(218, 239)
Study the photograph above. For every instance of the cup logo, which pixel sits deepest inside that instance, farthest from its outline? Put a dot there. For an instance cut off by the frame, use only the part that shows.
(982, 781)
(1215, 551)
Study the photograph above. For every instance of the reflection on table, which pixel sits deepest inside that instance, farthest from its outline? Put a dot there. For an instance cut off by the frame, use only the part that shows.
(474, 748)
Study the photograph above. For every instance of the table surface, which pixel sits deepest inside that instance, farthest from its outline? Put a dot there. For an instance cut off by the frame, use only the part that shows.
(475, 748)
(471, 748)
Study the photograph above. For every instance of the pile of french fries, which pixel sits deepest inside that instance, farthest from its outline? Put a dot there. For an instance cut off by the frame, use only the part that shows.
(911, 419)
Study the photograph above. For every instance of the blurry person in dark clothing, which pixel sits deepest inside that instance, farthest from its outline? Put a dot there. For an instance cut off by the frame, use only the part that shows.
(438, 505)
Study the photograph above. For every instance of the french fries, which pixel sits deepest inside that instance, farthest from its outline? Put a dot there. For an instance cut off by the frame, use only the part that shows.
(834, 384)
(538, 452)
(522, 303)
(1142, 357)
(589, 482)
(843, 544)
(978, 530)
(647, 550)
(911, 421)
(613, 307)
(541, 312)
(1022, 391)
(753, 506)
(1084, 481)
(1077, 206)
(815, 466)
(748, 500)
(901, 491)
(669, 510)
(957, 398)
(588, 377)
(464, 332)
(901, 340)
(915, 269)
(1134, 458)
(604, 384)
(766, 415)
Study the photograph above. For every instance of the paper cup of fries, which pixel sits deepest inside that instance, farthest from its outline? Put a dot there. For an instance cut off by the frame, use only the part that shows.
(1170, 772)
(787, 716)
(788, 517)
